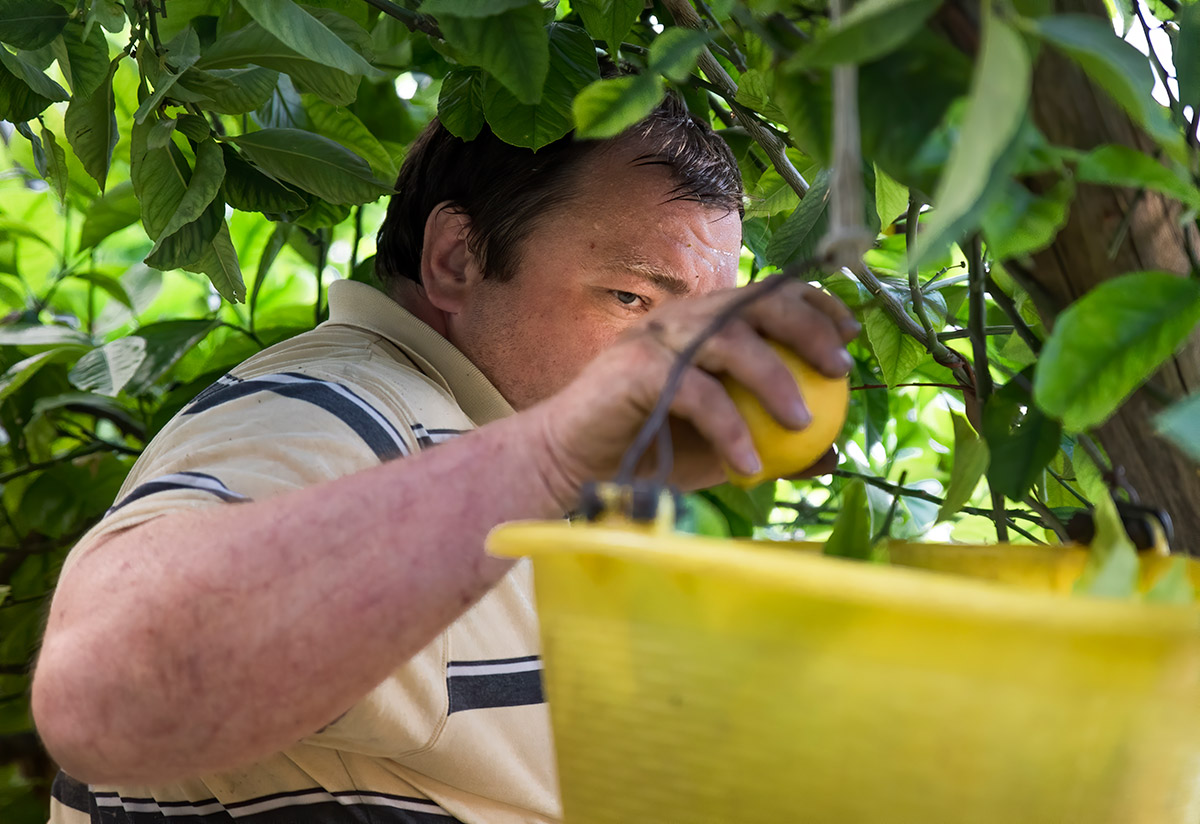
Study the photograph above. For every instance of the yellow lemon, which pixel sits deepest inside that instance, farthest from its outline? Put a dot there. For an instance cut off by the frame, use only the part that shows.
(785, 451)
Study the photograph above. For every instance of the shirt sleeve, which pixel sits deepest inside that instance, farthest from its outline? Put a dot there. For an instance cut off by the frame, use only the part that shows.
(248, 439)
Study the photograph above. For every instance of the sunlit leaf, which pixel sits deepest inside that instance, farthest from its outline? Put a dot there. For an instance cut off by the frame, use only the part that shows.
(675, 51)
(898, 353)
(995, 109)
(1119, 68)
(115, 210)
(108, 368)
(342, 125)
(970, 462)
(609, 20)
(1114, 165)
(608, 107)
(1109, 341)
(796, 240)
(1111, 570)
(83, 60)
(852, 532)
(870, 29)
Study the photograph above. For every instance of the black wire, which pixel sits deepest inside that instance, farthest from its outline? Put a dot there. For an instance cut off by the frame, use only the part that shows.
(655, 427)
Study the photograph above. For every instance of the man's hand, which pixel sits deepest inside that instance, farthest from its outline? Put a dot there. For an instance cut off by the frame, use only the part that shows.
(589, 424)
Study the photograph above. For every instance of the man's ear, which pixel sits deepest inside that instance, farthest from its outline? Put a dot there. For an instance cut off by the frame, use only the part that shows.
(449, 270)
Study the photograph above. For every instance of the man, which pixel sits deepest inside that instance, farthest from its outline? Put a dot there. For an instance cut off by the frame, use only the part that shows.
(288, 614)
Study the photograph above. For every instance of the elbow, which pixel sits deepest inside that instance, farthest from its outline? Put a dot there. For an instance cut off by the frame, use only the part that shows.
(70, 720)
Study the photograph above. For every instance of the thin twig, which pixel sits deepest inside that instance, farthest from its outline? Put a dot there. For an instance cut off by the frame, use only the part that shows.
(885, 531)
(957, 386)
(413, 20)
(912, 221)
(990, 331)
(687, 17)
(1063, 483)
(1048, 516)
(921, 494)
(1009, 307)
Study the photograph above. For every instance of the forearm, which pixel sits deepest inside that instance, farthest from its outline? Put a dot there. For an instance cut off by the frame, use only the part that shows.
(205, 639)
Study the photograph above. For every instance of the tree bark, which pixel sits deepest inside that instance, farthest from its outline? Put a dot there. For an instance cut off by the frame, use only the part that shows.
(1147, 234)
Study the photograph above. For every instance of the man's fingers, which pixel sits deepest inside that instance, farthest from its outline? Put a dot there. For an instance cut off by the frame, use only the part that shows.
(703, 402)
(742, 354)
(842, 317)
(804, 328)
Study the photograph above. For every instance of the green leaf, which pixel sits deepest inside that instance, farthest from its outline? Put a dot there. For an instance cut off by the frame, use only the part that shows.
(771, 195)
(18, 102)
(187, 244)
(1111, 570)
(36, 80)
(970, 462)
(114, 211)
(796, 240)
(1173, 586)
(160, 179)
(250, 190)
(898, 354)
(608, 107)
(56, 165)
(202, 188)
(306, 35)
(38, 335)
(108, 368)
(313, 163)
(1187, 56)
(995, 110)
(460, 103)
(754, 505)
(344, 127)
(182, 53)
(1113, 165)
(166, 342)
(851, 537)
(108, 13)
(1108, 342)
(1021, 443)
(193, 126)
(110, 285)
(229, 91)
(1119, 68)
(701, 517)
(512, 47)
(220, 263)
(1180, 424)
(573, 65)
(609, 20)
(30, 24)
(91, 127)
(83, 60)
(871, 29)
(674, 53)
(1021, 223)
(254, 44)
(22, 371)
(891, 198)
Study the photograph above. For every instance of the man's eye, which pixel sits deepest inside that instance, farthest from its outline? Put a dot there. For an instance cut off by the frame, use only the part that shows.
(627, 298)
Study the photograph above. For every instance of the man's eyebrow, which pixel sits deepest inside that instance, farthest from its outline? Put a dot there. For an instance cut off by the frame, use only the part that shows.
(663, 279)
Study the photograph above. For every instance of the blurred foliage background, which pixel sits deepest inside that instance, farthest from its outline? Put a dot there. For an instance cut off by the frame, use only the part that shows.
(181, 179)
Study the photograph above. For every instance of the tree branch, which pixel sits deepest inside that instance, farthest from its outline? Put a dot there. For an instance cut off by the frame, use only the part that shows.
(413, 20)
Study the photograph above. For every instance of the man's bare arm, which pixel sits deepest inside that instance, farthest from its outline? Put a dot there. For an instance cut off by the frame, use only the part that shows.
(206, 639)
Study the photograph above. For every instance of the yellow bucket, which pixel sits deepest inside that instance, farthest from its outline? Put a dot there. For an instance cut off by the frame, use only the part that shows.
(701, 680)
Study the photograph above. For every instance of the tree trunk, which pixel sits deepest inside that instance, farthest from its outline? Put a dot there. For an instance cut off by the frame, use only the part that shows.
(1071, 111)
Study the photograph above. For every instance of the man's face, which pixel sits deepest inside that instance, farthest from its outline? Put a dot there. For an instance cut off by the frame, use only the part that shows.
(589, 271)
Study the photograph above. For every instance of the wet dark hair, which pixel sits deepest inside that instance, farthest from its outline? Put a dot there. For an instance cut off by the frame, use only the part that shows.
(505, 190)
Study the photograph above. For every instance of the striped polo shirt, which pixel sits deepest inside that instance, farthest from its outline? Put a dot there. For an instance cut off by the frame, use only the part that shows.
(460, 732)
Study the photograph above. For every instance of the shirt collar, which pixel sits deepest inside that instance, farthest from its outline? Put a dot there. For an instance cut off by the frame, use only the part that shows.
(356, 304)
